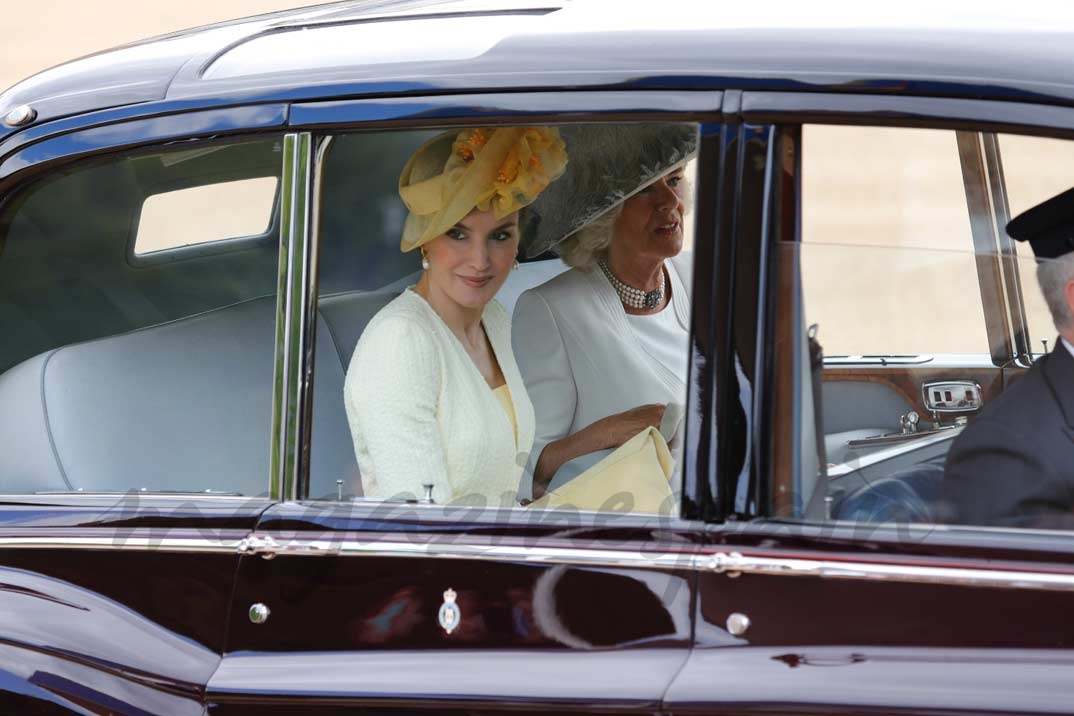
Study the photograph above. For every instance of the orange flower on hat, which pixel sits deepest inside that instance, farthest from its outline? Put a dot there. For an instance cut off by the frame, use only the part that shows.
(536, 158)
(498, 169)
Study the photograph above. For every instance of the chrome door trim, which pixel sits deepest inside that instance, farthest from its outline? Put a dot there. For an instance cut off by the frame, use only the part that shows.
(268, 547)
(134, 540)
(735, 564)
(732, 564)
(293, 324)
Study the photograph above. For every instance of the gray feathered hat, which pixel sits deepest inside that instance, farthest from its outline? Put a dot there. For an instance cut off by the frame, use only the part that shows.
(608, 163)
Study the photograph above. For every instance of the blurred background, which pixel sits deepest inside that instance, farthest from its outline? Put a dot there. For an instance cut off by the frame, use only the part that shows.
(43, 33)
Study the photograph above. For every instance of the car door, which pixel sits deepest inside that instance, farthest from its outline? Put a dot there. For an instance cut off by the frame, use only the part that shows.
(849, 585)
(345, 603)
(138, 306)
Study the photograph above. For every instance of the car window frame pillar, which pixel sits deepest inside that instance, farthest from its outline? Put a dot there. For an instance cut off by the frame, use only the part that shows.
(995, 254)
(295, 321)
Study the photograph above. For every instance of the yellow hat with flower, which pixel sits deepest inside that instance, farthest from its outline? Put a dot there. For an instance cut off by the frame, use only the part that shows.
(498, 169)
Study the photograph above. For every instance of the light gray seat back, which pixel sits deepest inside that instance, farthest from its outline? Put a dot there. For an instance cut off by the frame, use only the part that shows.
(525, 277)
(347, 314)
(183, 406)
(186, 405)
(180, 406)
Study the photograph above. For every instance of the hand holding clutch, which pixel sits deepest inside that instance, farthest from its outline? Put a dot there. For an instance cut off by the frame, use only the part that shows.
(621, 427)
(636, 477)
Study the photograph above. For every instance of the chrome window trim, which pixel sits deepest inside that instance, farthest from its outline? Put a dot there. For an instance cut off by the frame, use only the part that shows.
(997, 257)
(293, 323)
(445, 111)
(1008, 253)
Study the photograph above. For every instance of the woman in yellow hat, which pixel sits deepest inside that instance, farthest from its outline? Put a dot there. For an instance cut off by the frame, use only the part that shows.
(433, 394)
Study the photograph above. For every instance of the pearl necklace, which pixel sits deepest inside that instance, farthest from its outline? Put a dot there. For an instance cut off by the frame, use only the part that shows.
(634, 297)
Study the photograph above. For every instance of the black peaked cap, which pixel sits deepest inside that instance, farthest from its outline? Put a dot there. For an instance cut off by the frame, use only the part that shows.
(1048, 226)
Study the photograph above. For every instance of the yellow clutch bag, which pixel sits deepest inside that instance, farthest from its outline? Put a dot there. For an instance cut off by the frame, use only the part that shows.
(636, 477)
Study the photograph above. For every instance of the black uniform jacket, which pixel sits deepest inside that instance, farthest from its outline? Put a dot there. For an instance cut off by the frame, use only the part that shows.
(1014, 464)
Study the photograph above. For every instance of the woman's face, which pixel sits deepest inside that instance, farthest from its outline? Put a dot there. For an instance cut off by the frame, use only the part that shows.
(651, 220)
(470, 261)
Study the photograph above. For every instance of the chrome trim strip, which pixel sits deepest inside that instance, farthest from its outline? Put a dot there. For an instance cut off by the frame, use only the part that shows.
(730, 564)
(140, 541)
(307, 340)
(734, 564)
(292, 325)
(1008, 253)
(975, 184)
(269, 547)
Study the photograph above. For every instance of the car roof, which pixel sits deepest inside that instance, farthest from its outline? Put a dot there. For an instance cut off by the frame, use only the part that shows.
(380, 47)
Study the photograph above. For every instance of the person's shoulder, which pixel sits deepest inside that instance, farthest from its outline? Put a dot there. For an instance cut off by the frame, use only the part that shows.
(1018, 419)
(1022, 403)
(404, 320)
(563, 287)
(406, 308)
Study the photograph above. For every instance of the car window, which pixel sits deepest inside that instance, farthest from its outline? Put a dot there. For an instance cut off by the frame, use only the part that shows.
(206, 213)
(884, 219)
(911, 415)
(118, 374)
(409, 406)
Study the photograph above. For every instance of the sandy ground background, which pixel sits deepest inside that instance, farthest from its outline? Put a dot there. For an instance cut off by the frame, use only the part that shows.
(887, 266)
(43, 33)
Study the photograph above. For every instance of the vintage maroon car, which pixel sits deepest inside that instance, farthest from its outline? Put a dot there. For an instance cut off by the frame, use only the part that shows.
(195, 230)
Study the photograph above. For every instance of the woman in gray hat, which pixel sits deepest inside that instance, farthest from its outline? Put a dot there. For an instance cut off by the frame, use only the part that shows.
(603, 347)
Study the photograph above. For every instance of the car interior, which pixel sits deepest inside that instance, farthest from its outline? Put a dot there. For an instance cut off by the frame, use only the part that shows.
(177, 347)
(154, 372)
(902, 274)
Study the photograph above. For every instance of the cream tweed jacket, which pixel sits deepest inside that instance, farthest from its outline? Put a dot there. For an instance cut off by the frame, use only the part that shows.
(420, 412)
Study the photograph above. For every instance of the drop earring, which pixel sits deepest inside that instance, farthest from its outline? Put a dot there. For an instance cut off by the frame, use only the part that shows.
(424, 261)
(516, 265)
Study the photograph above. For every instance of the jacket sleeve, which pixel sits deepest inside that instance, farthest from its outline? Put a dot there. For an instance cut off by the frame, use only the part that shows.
(546, 370)
(997, 476)
(391, 394)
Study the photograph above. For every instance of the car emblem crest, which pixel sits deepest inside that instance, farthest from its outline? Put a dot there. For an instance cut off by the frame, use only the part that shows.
(450, 616)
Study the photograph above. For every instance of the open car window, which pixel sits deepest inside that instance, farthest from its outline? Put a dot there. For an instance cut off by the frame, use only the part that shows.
(407, 411)
(936, 399)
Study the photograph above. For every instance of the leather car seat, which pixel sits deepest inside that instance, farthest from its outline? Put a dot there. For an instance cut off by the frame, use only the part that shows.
(186, 405)
(182, 406)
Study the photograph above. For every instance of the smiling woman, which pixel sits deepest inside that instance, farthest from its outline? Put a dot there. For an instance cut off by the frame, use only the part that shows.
(434, 398)
(446, 400)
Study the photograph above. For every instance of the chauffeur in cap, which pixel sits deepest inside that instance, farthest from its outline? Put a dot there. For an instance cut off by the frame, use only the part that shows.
(1014, 464)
